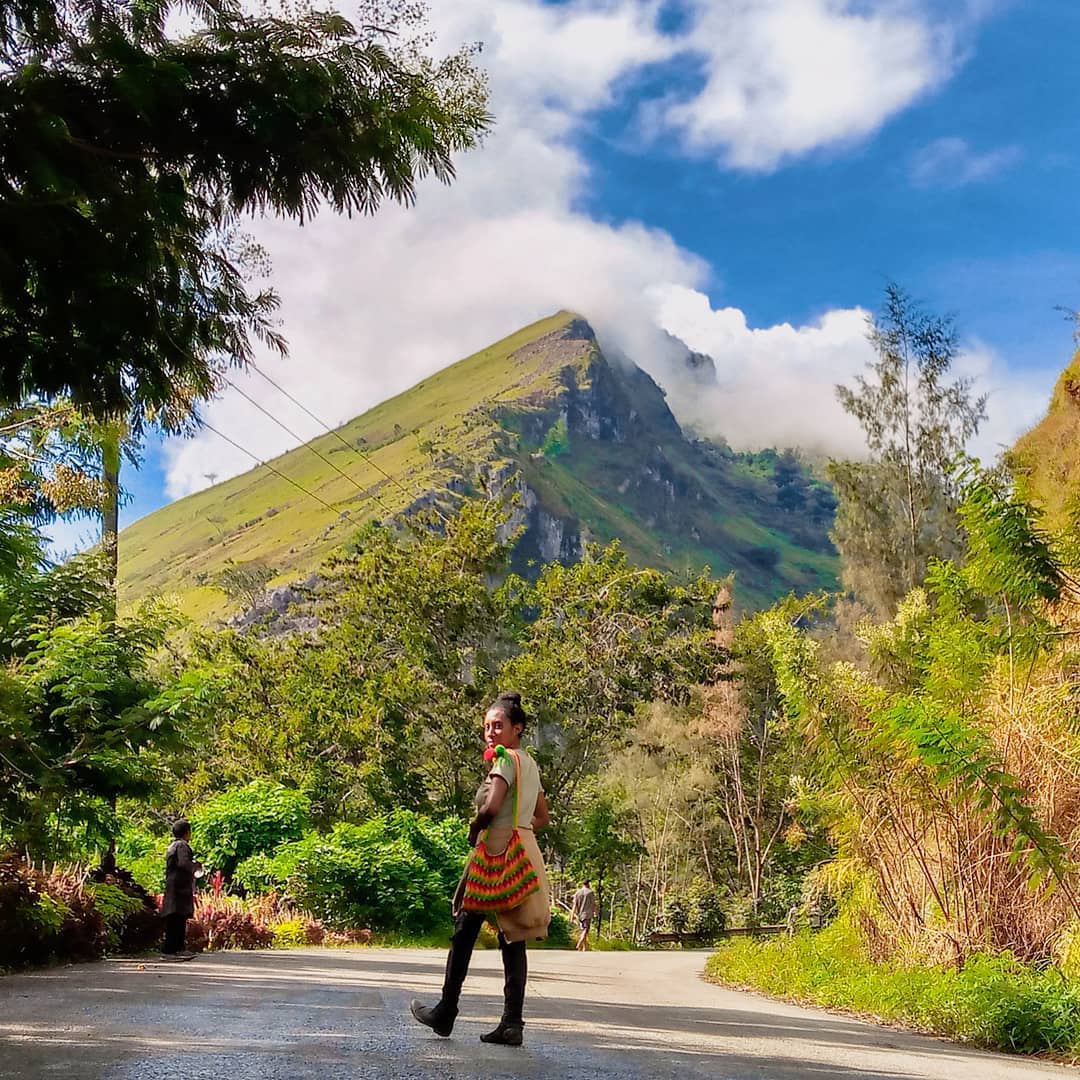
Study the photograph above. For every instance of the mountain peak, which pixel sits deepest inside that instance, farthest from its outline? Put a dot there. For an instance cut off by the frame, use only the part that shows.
(590, 446)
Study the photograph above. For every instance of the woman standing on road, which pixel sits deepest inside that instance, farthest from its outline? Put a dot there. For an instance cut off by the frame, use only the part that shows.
(510, 799)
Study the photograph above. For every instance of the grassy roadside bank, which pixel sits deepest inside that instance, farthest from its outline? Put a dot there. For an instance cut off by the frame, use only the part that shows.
(993, 1002)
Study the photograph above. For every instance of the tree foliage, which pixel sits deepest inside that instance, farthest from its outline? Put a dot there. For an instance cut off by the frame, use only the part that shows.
(83, 720)
(416, 635)
(253, 820)
(930, 754)
(602, 638)
(141, 151)
(898, 509)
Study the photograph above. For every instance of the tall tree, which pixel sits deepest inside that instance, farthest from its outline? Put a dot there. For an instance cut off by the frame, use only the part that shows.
(141, 151)
(898, 508)
(755, 756)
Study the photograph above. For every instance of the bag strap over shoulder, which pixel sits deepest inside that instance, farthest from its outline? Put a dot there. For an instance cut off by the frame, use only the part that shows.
(516, 786)
(517, 783)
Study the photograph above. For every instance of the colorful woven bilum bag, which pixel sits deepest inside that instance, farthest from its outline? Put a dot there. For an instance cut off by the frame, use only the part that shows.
(500, 882)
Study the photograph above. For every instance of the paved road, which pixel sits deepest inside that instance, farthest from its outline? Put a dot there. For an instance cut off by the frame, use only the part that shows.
(331, 1013)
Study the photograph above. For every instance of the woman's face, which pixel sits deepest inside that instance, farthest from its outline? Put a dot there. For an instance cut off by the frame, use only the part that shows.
(498, 731)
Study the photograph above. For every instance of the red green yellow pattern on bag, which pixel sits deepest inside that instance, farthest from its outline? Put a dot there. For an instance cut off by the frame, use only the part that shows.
(502, 881)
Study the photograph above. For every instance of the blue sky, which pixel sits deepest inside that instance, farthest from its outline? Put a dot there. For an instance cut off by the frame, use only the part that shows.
(1000, 248)
(746, 176)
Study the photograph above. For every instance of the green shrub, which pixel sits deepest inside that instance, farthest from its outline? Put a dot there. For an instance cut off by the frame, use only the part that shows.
(255, 819)
(610, 944)
(143, 855)
(290, 934)
(389, 874)
(298, 931)
(699, 908)
(115, 908)
(560, 933)
(268, 873)
(994, 1001)
(557, 440)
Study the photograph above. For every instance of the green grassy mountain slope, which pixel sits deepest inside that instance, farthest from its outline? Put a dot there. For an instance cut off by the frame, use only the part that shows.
(1047, 459)
(590, 446)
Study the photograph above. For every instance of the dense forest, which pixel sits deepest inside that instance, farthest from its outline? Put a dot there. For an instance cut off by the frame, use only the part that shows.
(890, 771)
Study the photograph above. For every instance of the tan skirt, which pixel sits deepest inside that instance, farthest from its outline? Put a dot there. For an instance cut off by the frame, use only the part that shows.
(529, 920)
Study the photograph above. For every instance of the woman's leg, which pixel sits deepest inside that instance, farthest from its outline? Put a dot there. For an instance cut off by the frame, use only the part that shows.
(467, 927)
(440, 1018)
(515, 975)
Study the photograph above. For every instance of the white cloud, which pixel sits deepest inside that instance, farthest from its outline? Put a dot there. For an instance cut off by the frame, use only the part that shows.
(371, 305)
(1015, 401)
(785, 77)
(952, 163)
(775, 386)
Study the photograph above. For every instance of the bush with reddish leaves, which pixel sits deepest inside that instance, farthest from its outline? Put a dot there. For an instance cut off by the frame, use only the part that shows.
(30, 919)
(229, 924)
(141, 929)
(66, 914)
(84, 933)
(198, 936)
(348, 937)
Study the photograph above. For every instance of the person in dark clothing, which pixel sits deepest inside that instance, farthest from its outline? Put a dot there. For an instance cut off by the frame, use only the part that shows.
(179, 903)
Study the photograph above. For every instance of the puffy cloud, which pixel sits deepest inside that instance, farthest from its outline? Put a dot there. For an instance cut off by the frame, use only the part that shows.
(785, 77)
(775, 386)
(952, 163)
(371, 305)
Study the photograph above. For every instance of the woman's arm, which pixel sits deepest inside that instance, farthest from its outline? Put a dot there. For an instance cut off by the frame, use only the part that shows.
(496, 796)
(541, 815)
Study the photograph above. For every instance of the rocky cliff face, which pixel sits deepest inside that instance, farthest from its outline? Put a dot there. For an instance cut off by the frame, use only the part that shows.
(603, 433)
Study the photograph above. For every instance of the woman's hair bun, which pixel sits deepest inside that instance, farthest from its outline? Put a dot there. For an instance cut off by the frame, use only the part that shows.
(509, 702)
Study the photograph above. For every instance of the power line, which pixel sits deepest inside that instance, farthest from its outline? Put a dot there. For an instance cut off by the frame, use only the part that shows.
(266, 464)
(344, 442)
(307, 442)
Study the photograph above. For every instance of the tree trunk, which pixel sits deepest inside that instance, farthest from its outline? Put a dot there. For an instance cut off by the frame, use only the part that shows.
(110, 531)
(599, 903)
(110, 506)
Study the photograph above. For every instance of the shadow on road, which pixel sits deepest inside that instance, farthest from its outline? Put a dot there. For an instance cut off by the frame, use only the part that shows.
(328, 1013)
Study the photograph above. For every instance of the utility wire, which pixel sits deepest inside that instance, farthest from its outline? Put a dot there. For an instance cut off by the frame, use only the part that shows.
(307, 442)
(341, 439)
(266, 464)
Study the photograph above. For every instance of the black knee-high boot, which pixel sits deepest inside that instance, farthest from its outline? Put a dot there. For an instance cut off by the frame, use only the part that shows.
(467, 927)
(440, 1018)
(516, 973)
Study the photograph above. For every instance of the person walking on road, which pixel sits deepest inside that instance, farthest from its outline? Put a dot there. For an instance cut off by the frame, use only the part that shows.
(179, 902)
(510, 807)
(583, 909)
